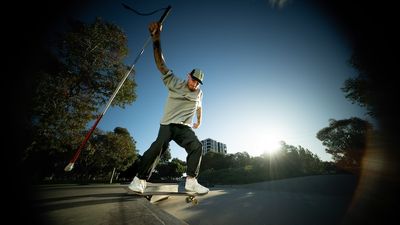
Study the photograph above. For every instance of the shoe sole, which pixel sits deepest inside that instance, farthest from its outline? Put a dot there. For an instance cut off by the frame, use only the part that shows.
(199, 193)
(138, 191)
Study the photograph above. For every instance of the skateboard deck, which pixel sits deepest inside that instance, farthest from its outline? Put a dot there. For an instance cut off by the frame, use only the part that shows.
(190, 196)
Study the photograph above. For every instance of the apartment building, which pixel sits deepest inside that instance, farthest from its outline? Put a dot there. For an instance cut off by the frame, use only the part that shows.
(214, 146)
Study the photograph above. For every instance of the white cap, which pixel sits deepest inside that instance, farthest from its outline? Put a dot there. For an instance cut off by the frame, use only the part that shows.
(198, 75)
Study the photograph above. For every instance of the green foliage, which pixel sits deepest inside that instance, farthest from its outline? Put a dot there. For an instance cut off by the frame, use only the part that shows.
(240, 168)
(166, 156)
(369, 88)
(215, 161)
(170, 170)
(180, 166)
(359, 91)
(346, 140)
(106, 151)
(87, 65)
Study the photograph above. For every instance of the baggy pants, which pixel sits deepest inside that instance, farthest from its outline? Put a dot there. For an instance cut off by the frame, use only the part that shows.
(185, 137)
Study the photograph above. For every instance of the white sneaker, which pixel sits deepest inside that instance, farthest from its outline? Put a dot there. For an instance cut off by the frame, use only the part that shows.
(193, 186)
(138, 185)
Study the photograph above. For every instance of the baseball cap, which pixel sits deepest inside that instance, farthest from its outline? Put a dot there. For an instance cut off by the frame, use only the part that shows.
(198, 75)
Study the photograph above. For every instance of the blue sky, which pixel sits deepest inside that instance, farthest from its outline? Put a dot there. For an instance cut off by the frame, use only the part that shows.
(270, 73)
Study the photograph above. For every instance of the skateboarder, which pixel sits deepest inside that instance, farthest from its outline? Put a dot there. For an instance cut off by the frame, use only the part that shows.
(183, 102)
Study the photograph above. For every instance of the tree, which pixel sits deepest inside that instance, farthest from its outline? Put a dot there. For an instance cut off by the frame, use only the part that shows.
(346, 141)
(88, 65)
(166, 156)
(171, 170)
(310, 162)
(363, 90)
(216, 161)
(107, 151)
(241, 159)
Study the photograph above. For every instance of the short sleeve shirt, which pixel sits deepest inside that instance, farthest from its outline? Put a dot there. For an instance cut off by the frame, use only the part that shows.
(182, 103)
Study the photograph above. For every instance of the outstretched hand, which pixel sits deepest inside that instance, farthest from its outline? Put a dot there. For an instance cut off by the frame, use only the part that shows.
(155, 29)
(195, 125)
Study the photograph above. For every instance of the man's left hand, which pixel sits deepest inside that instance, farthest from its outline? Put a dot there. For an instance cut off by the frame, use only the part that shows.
(196, 125)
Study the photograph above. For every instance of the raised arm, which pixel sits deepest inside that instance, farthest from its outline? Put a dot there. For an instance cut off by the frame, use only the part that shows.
(155, 30)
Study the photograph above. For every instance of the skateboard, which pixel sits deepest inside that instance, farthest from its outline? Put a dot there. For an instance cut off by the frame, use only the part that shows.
(190, 196)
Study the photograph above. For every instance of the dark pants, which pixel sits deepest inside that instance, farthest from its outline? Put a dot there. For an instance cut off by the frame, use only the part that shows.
(185, 137)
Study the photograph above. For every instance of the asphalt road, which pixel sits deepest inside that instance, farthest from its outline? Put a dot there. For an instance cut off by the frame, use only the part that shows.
(328, 200)
(305, 200)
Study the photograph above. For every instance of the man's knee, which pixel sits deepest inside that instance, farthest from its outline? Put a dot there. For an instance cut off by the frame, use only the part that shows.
(196, 147)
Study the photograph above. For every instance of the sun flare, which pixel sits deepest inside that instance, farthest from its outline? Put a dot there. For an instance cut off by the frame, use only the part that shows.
(266, 142)
(272, 145)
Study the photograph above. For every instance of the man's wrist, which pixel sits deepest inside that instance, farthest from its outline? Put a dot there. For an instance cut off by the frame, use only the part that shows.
(155, 37)
(156, 44)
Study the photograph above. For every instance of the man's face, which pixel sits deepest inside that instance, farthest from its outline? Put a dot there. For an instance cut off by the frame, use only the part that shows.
(193, 84)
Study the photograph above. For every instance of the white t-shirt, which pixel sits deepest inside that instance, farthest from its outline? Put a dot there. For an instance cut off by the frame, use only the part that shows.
(182, 103)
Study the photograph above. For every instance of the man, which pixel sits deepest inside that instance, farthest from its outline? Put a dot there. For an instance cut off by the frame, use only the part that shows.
(183, 102)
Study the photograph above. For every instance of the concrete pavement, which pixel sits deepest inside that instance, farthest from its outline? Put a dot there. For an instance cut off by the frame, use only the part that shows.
(96, 205)
(304, 200)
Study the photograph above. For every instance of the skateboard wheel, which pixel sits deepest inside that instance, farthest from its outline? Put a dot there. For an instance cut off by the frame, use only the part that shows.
(195, 201)
(188, 199)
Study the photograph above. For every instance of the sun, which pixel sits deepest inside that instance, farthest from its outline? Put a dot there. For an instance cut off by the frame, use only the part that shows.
(271, 144)
(266, 142)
